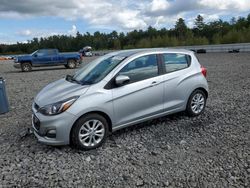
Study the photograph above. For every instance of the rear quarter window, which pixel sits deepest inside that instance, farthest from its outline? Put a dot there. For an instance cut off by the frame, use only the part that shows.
(175, 61)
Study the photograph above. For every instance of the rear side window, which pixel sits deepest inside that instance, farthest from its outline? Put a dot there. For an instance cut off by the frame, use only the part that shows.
(51, 52)
(174, 61)
(142, 68)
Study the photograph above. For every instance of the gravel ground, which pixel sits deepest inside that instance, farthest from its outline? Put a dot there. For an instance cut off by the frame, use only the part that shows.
(212, 150)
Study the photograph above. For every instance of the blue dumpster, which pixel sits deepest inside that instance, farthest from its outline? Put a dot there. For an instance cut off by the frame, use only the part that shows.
(4, 104)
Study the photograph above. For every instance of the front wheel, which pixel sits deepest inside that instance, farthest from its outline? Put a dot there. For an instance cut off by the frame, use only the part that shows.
(89, 132)
(26, 67)
(196, 103)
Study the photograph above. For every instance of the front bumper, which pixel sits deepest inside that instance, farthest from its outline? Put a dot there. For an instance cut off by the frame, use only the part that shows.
(17, 65)
(61, 124)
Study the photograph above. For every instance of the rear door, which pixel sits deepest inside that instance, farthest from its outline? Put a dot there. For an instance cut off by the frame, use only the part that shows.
(54, 56)
(176, 73)
(143, 95)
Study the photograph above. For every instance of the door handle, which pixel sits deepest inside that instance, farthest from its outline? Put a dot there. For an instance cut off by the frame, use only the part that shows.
(155, 83)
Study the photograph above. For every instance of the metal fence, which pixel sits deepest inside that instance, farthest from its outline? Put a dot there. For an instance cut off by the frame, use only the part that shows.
(242, 47)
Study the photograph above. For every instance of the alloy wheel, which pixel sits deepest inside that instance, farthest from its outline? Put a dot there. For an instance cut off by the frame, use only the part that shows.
(91, 133)
(71, 64)
(197, 103)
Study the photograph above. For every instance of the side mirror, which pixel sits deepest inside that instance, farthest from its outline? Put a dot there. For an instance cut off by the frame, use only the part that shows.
(35, 55)
(122, 80)
(68, 77)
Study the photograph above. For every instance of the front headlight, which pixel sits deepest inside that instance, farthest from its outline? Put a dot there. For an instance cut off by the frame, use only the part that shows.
(57, 108)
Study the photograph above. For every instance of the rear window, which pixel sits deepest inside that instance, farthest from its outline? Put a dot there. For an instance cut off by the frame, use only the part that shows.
(174, 61)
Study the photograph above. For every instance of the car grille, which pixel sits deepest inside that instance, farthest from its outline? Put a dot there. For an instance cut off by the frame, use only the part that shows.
(36, 122)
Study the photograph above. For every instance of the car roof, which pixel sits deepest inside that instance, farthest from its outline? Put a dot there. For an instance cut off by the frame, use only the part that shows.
(127, 53)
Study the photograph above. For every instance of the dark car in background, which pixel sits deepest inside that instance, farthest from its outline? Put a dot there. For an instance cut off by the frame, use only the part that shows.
(47, 57)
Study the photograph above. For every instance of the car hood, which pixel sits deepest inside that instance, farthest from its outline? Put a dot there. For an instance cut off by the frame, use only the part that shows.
(23, 57)
(58, 91)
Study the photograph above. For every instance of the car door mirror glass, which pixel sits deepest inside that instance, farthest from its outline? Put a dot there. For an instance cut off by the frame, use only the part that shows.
(122, 80)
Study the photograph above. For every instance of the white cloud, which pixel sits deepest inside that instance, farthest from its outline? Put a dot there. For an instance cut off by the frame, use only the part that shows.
(73, 30)
(129, 20)
(159, 5)
(25, 32)
(114, 14)
(211, 17)
(31, 33)
(207, 18)
(123, 14)
(238, 5)
(36, 33)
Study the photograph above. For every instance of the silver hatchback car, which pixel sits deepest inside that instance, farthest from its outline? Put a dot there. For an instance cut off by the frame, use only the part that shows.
(118, 90)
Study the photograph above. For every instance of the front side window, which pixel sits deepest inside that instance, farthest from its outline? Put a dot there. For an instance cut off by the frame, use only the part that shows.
(41, 53)
(142, 68)
(174, 61)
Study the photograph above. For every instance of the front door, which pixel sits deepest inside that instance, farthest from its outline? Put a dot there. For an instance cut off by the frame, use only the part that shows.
(41, 58)
(143, 95)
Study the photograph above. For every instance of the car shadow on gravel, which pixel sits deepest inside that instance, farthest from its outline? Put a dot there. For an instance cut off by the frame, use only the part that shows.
(192, 122)
(179, 121)
(170, 124)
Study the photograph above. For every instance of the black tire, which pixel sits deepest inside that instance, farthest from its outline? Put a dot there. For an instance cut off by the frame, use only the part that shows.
(78, 128)
(66, 66)
(71, 64)
(200, 109)
(26, 67)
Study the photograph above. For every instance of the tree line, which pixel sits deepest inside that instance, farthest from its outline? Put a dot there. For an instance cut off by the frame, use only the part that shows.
(215, 32)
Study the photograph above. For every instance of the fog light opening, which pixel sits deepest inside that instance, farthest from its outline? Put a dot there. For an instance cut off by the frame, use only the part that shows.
(51, 134)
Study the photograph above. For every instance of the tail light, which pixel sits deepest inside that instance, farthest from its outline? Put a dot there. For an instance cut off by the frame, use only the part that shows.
(204, 71)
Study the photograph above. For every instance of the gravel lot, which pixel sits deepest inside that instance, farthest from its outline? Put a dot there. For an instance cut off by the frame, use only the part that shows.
(212, 150)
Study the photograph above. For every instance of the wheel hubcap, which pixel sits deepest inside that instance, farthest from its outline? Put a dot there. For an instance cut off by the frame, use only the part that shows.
(26, 68)
(197, 103)
(71, 65)
(91, 133)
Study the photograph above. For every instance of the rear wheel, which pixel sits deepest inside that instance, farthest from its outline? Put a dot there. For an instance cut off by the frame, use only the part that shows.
(71, 64)
(89, 132)
(196, 103)
(26, 67)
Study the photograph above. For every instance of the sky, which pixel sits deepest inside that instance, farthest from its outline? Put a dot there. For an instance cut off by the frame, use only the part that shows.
(22, 20)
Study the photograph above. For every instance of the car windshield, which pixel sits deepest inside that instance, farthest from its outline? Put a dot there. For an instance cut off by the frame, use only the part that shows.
(33, 52)
(96, 70)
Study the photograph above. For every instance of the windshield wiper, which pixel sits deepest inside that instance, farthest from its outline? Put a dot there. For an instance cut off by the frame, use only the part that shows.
(70, 78)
